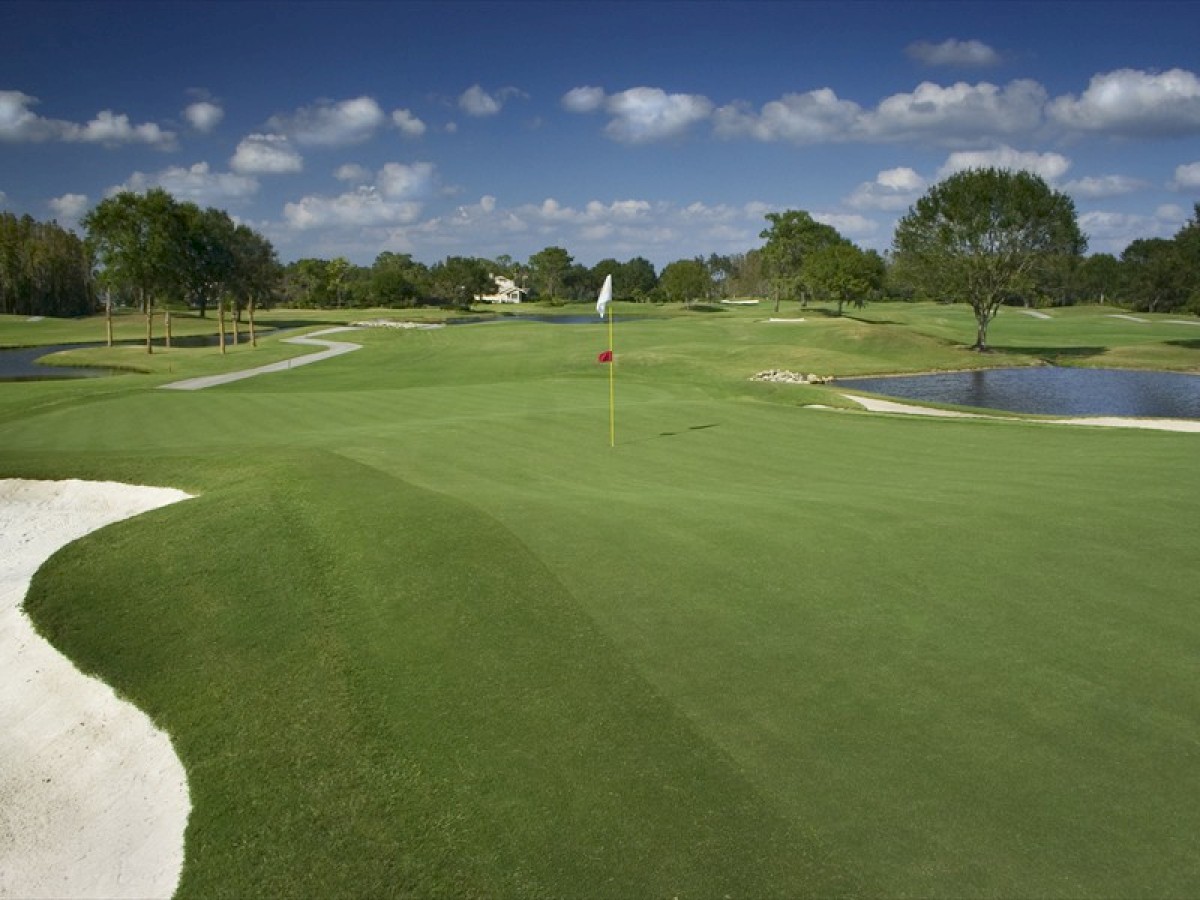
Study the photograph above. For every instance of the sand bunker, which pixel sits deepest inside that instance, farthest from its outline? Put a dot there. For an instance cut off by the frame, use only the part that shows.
(93, 799)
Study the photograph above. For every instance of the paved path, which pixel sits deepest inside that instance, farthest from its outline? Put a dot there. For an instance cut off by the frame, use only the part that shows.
(332, 348)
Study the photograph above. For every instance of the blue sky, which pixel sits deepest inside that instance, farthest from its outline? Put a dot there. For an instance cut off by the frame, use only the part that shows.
(663, 130)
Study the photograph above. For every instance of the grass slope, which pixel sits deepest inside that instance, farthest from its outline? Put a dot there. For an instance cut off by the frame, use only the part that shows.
(424, 633)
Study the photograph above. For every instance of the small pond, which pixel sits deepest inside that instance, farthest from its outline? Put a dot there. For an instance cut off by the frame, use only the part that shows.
(1050, 390)
(20, 364)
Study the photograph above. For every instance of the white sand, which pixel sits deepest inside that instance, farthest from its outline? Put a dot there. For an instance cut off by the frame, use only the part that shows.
(876, 405)
(93, 799)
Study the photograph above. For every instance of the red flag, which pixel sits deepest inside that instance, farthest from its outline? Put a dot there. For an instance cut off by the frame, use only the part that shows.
(605, 356)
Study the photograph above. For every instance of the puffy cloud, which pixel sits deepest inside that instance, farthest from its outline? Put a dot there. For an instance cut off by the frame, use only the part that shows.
(960, 113)
(409, 125)
(266, 154)
(953, 52)
(353, 173)
(1134, 103)
(18, 123)
(69, 207)
(583, 99)
(1094, 188)
(1112, 232)
(813, 117)
(397, 180)
(331, 124)
(394, 199)
(850, 225)
(892, 189)
(475, 101)
(1049, 166)
(204, 115)
(360, 208)
(643, 114)
(1187, 177)
(196, 183)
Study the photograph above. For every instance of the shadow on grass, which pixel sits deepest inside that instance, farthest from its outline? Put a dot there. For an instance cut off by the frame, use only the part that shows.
(1051, 355)
(1190, 344)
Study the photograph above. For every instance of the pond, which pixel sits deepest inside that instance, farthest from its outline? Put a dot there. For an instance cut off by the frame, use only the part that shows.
(1050, 390)
(20, 364)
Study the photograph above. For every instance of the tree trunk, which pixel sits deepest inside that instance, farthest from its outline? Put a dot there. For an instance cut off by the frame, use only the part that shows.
(149, 323)
(108, 317)
(221, 324)
(167, 325)
(250, 313)
(236, 323)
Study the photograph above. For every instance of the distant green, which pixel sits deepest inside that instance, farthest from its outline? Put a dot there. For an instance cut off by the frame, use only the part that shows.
(422, 632)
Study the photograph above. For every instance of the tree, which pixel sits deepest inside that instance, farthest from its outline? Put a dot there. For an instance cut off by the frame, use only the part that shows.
(638, 279)
(44, 270)
(843, 273)
(136, 240)
(793, 235)
(548, 269)
(686, 280)
(1154, 275)
(458, 280)
(255, 273)
(1098, 278)
(985, 235)
(396, 280)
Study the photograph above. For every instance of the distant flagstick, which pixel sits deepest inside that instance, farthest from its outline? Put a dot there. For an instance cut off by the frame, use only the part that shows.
(602, 303)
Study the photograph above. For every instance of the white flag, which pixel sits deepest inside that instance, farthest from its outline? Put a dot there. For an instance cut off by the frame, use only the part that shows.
(605, 297)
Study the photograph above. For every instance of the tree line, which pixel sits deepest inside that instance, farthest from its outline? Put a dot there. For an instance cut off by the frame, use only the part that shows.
(987, 237)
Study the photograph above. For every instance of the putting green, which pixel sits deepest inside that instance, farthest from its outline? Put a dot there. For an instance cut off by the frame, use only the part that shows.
(423, 631)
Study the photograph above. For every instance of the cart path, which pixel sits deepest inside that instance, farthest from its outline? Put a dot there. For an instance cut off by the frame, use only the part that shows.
(331, 349)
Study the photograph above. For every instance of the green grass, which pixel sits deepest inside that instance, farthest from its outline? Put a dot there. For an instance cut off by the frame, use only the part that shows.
(423, 633)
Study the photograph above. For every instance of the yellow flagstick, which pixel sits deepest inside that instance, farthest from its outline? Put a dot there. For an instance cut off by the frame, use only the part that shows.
(612, 406)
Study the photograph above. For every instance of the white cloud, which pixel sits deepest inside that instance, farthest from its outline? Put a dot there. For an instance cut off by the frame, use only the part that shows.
(475, 101)
(204, 115)
(813, 117)
(892, 189)
(360, 208)
(331, 124)
(196, 183)
(3, 197)
(953, 52)
(397, 180)
(394, 199)
(1135, 103)
(69, 207)
(1187, 177)
(409, 125)
(960, 113)
(18, 123)
(1099, 187)
(643, 114)
(1049, 166)
(1112, 232)
(266, 154)
(850, 225)
(583, 99)
(352, 172)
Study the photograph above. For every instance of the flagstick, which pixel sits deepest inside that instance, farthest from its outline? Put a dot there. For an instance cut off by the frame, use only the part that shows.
(612, 407)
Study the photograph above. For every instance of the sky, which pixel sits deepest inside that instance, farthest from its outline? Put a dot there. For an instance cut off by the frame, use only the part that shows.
(665, 130)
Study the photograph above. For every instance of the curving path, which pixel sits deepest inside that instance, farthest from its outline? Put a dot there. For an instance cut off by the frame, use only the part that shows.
(332, 348)
(93, 800)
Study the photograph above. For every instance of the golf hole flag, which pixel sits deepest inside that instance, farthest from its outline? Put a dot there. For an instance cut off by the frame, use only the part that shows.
(606, 356)
(605, 297)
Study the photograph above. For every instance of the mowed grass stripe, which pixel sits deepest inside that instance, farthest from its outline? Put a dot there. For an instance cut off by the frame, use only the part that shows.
(364, 706)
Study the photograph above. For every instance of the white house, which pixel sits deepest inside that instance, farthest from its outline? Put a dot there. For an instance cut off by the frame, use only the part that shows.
(506, 292)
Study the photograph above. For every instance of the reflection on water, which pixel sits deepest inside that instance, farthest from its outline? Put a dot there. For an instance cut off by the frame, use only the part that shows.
(20, 364)
(1051, 390)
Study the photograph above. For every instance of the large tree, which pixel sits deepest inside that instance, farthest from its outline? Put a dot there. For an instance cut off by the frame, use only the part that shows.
(792, 237)
(686, 280)
(137, 241)
(549, 269)
(1154, 275)
(985, 236)
(844, 274)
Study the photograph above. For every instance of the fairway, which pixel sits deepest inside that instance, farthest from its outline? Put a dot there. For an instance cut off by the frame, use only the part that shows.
(422, 632)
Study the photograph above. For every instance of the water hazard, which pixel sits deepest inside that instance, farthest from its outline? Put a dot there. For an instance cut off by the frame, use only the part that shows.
(1050, 390)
